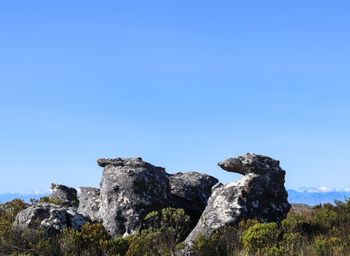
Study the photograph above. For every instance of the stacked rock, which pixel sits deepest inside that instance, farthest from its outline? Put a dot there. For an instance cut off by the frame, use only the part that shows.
(130, 188)
(260, 194)
(58, 213)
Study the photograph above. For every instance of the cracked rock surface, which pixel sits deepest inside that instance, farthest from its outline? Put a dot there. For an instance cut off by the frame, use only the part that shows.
(89, 202)
(49, 218)
(131, 188)
(67, 196)
(190, 191)
(259, 194)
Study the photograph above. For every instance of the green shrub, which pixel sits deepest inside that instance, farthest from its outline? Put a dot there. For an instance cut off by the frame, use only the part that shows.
(302, 224)
(114, 247)
(261, 239)
(294, 244)
(166, 229)
(173, 221)
(325, 246)
(224, 241)
(148, 242)
(326, 217)
(70, 242)
(46, 247)
(92, 239)
(246, 223)
(323, 231)
(10, 239)
(49, 200)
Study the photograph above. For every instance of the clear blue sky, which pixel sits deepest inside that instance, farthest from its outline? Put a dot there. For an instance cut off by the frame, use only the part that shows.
(184, 84)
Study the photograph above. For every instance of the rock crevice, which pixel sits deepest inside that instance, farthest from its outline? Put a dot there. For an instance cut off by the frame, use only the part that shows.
(260, 194)
(130, 188)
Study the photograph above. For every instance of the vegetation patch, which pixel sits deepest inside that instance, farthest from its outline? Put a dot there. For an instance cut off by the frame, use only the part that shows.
(323, 231)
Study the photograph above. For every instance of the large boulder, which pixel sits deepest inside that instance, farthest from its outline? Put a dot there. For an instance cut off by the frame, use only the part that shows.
(131, 188)
(89, 202)
(49, 218)
(190, 191)
(259, 194)
(64, 195)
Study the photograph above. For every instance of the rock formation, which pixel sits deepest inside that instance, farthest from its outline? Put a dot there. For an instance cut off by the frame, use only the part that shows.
(65, 195)
(49, 218)
(191, 191)
(131, 188)
(259, 194)
(89, 202)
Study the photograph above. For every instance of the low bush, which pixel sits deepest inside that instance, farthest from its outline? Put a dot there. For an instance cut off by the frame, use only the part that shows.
(325, 230)
(262, 239)
(225, 242)
(165, 230)
(49, 200)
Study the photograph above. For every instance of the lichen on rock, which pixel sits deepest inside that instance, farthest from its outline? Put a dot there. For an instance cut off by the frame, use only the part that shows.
(67, 196)
(131, 188)
(89, 202)
(49, 218)
(259, 194)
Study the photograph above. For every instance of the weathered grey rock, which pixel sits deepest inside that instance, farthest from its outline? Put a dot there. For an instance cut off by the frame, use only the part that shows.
(191, 191)
(131, 188)
(252, 163)
(89, 202)
(49, 218)
(260, 194)
(67, 196)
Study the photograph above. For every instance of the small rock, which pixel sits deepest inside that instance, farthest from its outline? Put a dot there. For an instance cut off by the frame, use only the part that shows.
(49, 218)
(67, 196)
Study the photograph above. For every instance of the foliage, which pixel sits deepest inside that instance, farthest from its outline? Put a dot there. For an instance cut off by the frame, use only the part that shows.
(92, 239)
(174, 222)
(325, 246)
(166, 228)
(262, 238)
(8, 212)
(225, 241)
(49, 200)
(325, 230)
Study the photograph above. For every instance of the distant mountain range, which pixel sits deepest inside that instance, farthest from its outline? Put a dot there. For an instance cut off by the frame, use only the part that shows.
(315, 196)
(26, 197)
(309, 196)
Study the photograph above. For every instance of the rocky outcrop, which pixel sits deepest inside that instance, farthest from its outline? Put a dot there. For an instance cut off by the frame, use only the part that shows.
(191, 191)
(131, 188)
(51, 218)
(259, 194)
(66, 196)
(89, 202)
(264, 194)
(48, 217)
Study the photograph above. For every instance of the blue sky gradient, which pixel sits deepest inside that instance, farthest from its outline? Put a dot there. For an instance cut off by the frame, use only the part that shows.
(183, 84)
